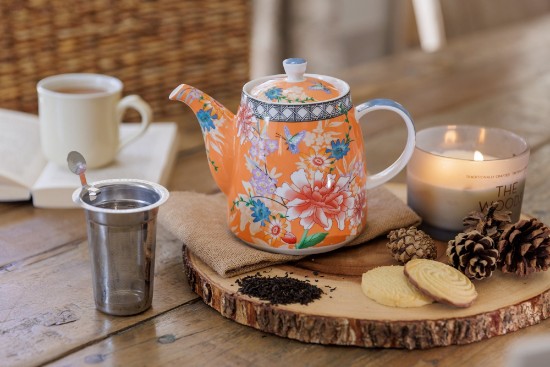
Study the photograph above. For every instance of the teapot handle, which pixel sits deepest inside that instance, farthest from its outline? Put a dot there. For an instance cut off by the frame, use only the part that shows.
(387, 174)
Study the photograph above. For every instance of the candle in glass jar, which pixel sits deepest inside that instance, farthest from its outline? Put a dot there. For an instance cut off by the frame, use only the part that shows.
(473, 155)
(447, 178)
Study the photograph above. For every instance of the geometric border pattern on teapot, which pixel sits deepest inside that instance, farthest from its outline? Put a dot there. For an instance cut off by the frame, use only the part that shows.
(298, 112)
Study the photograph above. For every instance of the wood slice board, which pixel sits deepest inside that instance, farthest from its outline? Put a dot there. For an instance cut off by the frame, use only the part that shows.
(345, 316)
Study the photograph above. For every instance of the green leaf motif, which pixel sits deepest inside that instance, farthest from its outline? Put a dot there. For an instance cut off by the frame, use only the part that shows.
(310, 241)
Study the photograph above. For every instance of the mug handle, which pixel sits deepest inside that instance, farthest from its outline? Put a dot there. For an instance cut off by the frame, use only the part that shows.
(137, 103)
(387, 104)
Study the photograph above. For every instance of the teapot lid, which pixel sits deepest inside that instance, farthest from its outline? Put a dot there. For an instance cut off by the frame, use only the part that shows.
(295, 87)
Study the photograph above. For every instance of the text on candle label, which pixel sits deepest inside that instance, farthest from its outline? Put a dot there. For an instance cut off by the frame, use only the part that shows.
(509, 196)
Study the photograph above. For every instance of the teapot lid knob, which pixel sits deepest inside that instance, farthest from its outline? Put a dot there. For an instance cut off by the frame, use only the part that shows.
(295, 68)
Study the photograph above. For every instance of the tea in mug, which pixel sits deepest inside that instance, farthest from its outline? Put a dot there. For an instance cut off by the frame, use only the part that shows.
(79, 90)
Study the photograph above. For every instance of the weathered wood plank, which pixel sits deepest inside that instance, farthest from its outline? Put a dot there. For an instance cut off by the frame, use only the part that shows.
(523, 110)
(468, 69)
(194, 334)
(37, 231)
(497, 78)
(47, 308)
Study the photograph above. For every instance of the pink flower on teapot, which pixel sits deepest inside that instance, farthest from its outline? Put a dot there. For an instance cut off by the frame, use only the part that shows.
(291, 162)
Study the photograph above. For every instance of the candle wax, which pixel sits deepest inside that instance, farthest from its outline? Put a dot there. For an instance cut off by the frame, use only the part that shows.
(465, 154)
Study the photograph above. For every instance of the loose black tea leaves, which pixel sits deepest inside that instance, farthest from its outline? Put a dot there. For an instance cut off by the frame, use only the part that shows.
(279, 290)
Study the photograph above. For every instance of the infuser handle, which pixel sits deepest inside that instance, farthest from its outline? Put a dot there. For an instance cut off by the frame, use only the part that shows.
(387, 174)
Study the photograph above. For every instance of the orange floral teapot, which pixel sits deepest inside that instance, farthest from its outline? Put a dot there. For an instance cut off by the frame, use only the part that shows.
(291, 162)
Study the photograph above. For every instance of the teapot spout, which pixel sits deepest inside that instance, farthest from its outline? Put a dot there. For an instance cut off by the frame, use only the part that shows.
(217, 125)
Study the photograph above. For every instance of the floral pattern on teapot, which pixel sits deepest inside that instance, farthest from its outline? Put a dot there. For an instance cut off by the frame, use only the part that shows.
(300, 183)
(281, 91)
(291, 162)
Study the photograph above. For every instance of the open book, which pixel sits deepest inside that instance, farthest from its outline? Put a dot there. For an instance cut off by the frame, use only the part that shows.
(25, 172)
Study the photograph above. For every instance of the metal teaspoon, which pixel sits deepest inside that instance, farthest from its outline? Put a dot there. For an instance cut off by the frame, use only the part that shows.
(77, 165)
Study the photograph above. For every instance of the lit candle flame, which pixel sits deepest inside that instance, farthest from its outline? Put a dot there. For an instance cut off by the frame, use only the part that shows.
(478, 156)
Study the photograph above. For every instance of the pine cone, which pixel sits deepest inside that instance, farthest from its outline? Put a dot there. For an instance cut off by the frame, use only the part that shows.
(411, 243)
(524, 247)
(473, 254)
(489, 222)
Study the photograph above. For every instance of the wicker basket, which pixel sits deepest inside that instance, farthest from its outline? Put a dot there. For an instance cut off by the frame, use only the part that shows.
(152, 46)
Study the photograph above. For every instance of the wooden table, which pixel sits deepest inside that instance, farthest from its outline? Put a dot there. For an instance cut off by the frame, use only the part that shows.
(47, 316)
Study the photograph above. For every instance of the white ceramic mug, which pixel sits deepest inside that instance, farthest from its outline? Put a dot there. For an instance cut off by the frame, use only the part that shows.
(83, 112)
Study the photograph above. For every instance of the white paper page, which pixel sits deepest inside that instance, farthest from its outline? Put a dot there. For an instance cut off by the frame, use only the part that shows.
(148, 158)
(21, 159)
(14, 193)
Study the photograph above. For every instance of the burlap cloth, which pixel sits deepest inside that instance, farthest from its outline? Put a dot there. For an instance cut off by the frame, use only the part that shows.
(200, 221)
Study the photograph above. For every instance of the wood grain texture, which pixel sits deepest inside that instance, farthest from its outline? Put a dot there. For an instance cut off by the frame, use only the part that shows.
(520, 110)
(356, 260)
(47, 307)
(346, 317)
(27, 226)
(195, 334)
(497, 78)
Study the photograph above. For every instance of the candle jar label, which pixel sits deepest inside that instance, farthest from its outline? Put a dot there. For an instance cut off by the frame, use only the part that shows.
(445, 207)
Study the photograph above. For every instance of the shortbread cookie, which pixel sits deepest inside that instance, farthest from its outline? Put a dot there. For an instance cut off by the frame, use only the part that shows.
(441, 282)
(388, 286)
